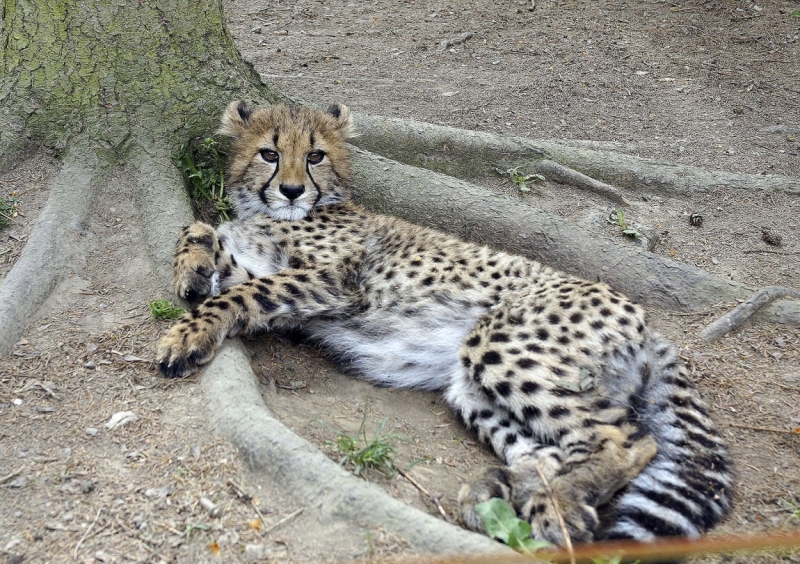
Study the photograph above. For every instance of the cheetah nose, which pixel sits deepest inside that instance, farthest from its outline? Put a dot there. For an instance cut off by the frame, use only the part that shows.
(292, 192)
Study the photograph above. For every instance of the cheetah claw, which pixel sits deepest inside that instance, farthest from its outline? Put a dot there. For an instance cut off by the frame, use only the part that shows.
(182, 351)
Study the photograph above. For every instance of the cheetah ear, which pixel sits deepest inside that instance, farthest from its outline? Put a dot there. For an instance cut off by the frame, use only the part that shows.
(344, 120)
(235, 119)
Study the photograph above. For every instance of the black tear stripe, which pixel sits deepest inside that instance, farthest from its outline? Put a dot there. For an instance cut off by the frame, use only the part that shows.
(314, 182)
(263, 191)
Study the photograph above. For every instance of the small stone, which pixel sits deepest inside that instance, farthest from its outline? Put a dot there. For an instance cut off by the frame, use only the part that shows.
(781, 342)
(102, 556)
(91, 431)
(254, 552)
(159, 493)
(87, 486)
(210, 507)
(194, 450)
(15, 558)
(18, 482)
(18, 514)
(89, 365)
(16, 401)
(68, 516)
(120, 418)
(771, 237)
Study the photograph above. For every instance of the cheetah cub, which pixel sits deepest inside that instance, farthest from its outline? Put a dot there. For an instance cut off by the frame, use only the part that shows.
(560, 376)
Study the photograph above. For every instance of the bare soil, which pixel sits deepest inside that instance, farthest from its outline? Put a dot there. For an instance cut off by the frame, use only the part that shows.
(692, 82)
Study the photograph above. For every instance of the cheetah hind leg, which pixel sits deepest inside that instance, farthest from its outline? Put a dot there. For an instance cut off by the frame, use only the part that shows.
(194, 262)
(576, 488)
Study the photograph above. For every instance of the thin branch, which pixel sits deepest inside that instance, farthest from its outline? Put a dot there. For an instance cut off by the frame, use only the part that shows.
(246, 498)
(431, 498)
(561, 523)
(283, 521)
(772, 252)
(80, 542)
(767, 429)
(745, 311)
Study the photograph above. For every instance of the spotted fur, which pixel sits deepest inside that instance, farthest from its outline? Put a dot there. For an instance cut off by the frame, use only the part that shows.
(560, 376)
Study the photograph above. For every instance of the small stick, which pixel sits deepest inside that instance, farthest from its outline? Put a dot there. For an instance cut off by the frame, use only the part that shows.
(433, 499)
(283, 521)
(245, 497)
(80, 542)
(745, 311)
(771, 251)
(561, 523)
(769, 429)
(11, 476)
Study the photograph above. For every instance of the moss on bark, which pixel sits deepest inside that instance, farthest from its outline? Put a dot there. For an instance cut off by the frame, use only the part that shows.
(114, 68)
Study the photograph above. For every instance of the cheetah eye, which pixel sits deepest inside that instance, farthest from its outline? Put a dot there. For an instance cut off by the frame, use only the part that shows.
(269, 155)
(315, 157)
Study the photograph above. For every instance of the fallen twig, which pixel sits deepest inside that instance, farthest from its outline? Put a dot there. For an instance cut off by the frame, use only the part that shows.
(431, 498)
(283, 521)
(768, 429)
(11, 476)
(247, 498)
(80, 542)
(771, 252)
(561, 523)
(745, 311)
(661, 549)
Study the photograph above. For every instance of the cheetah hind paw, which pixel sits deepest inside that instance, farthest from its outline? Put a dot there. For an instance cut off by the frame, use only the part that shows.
(494, 483)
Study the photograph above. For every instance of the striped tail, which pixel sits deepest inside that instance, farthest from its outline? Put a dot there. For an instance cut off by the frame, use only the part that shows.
(686, 489)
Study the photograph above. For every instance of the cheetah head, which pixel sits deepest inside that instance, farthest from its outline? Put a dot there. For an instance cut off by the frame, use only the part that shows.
(286, 160)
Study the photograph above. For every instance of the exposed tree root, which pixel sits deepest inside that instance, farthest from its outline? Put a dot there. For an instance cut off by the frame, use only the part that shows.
(746, 310)
(162, 202)
(55, 247)
(504, 222)
(470, 154)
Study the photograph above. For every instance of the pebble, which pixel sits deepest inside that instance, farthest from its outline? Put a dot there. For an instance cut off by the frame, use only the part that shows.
(16, 401)
(194, 450)
(18, 482)
(91, 431)
(254, 552)
(68, 516)
(210, 507)
(120, 418)
(89, 365)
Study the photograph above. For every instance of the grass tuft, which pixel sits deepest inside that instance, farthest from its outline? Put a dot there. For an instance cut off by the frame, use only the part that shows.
(202, 163)
(363, 453)
(165, 309)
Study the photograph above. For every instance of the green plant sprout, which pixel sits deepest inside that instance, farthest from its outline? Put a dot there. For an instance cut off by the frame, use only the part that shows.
(618, 217)
(521, 179)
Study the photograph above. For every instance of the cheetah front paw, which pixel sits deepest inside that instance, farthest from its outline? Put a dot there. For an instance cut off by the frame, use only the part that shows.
(194, 282)
(187, 346)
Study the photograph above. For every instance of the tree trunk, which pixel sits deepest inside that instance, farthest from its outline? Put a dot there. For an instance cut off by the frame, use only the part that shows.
(108, 85)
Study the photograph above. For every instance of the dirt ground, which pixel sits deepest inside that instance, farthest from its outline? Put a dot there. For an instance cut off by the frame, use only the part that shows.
(713, 84)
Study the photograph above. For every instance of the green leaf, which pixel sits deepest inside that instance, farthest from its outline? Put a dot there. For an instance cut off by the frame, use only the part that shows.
(796, 13)
(502, 523)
